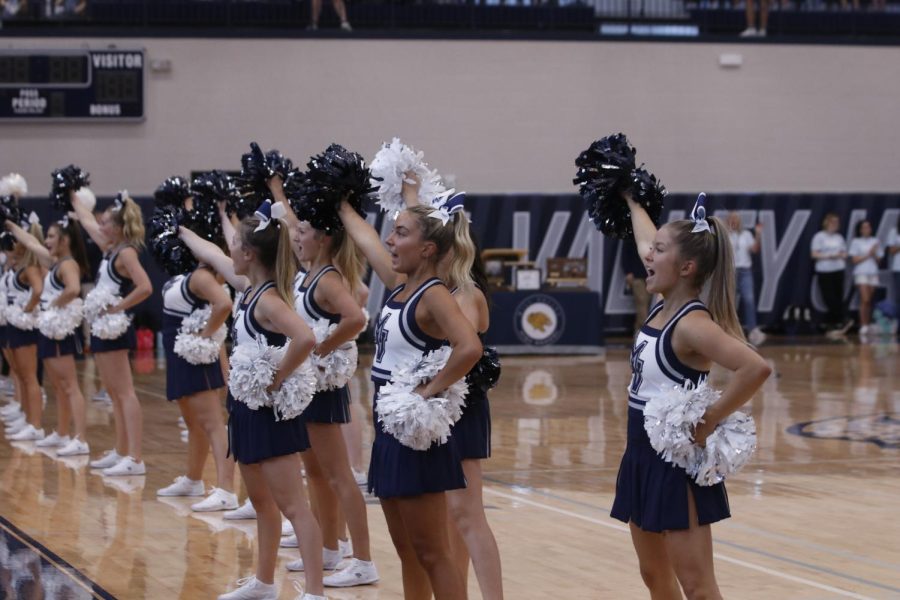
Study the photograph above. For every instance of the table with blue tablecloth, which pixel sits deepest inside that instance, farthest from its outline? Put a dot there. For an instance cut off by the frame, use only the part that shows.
(546, 322)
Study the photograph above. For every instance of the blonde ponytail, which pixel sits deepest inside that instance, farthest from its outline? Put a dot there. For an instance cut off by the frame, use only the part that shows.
(285, 265)
(711, 251)
(348, 260)
(131, 220)
(272, 245)
(459, 272)
(29, 258)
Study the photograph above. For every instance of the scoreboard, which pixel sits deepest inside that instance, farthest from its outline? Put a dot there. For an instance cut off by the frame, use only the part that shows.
(54, 85)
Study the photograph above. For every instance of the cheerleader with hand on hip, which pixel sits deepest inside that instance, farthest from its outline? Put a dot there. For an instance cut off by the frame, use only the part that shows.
(668, 513)
(63, 252)
(262, 268)
(419, 316)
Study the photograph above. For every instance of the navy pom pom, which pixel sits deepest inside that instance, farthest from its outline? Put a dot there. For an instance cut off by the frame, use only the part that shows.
(66, 180)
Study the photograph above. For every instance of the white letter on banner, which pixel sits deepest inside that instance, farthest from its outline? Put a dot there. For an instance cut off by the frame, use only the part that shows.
(775, 259)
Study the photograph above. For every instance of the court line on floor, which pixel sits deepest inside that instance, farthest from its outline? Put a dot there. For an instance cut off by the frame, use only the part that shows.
(57, 561)
(804, 581)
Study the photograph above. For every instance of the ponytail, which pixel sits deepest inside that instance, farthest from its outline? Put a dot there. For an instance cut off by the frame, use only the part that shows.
(71, 230)
(348, 259)
(452, 236)
(130, 219)
(272, 245)
(711, 251)
(29, 258)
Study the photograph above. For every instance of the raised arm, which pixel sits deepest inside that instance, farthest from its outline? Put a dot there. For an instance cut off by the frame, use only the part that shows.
(204, 285)
(409, 189)
(207, 252)
(276, 186)
(129, 264)
(228, 229)
(30, 242)
(368, 240)
(439, 307)
(89, 222)
(70, 275)
(644, 229)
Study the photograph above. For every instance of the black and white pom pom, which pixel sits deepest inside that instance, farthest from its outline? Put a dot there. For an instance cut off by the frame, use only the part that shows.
(335, 369)
(252, 370)
(334, 175)
(172, 192)
(670, 419)
(486, 372)
(9, 211)
(256, 170)
(13, 185)
(167, 248)
(418, 422)
(104, 325)
(605, 170)
(193, 347)
(58, 323)
(65, 180)
(389, 169)
(211, 188)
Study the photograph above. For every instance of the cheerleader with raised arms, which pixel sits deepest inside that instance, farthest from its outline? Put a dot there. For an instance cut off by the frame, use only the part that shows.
(59, 341)
(668, 513)
(119, 233)
(262, 269)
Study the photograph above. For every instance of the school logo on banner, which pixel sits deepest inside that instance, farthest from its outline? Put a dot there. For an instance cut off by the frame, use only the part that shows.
(539, 320)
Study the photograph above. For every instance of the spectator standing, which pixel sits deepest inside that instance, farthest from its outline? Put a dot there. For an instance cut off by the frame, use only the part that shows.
(865, 250)
(743, 244)
(829, 251)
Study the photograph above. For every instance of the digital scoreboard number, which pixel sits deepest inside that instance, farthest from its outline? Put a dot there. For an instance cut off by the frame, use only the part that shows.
(94, 85)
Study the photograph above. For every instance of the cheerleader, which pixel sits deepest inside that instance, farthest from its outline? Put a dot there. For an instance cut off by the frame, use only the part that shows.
(419, 315)
(12, 412)
(120, 234)
(262, 268)
(470, 532)
(668, 513)
(197, 389)
(24, 292)
(64, 253)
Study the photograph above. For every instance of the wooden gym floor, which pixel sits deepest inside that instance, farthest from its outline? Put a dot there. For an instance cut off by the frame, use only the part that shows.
(815, 513)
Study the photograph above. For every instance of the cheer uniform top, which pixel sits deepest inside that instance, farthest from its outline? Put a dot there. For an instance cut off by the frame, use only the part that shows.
(327, 406)
(255, 435)
(4, 298)
(110, 278)
(19, 293)
(183, 378)
(650, 491)
(395, 469)
(69, 345)
(473, 430)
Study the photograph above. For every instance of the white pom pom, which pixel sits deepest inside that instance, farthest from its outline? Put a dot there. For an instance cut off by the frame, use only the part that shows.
(13, 185)
(418, 422)
(390, 164)
(296, 392)
(104, 325)
(194, 348)
(58, 323)
(87, 198)
(20, 319)
(669, 420)
(253, 370)
(335, 369)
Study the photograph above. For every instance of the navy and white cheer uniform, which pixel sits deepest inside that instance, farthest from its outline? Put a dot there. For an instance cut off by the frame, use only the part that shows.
(255, 435)
(5, 277)
(121, 285)
(71, 344)
(183, 378)
(327, 406)
(472, 433)
(650, 491)
(19, 294)
(395, 469)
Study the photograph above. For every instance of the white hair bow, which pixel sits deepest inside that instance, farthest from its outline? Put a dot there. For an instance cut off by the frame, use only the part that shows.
(449, 208)
(698, 215)
(34, 219)
(119, 201)
(267, 212)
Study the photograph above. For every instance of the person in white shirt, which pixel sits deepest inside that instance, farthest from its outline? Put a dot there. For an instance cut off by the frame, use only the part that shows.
(829, 251)
(894, 250)
(865, 250)
(743, 244)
